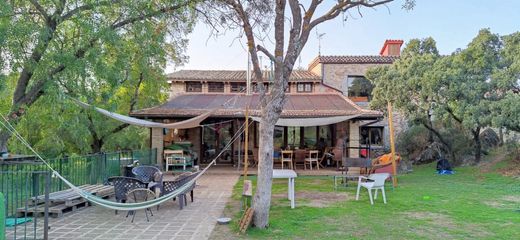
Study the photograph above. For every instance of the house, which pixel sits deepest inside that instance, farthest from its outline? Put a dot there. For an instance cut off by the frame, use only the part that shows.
(332, 93)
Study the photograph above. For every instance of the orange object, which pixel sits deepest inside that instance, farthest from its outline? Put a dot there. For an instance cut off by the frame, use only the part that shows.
(387, 159)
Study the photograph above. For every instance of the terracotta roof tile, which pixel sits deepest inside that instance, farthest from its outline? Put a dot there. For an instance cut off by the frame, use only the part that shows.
(233, 105)
(366, 59)
(235, 76)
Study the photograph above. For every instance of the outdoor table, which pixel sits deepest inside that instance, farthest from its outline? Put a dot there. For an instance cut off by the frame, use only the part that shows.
(290, 175)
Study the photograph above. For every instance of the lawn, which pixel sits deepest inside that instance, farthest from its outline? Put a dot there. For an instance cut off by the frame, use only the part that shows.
(467, 205)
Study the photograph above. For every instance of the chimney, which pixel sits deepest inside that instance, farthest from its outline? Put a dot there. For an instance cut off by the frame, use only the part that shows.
(391, 48)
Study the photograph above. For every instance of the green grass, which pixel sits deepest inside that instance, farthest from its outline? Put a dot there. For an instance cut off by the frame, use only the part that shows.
(467, 205)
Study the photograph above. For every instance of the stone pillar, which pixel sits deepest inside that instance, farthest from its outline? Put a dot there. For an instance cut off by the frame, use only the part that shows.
(157, 141)
(354, 139)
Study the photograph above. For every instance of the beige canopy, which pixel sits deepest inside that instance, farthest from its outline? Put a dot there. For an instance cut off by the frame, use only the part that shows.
(189, 123)
(309, 122)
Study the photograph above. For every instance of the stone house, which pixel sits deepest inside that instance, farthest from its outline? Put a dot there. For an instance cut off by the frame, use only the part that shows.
(332, 93)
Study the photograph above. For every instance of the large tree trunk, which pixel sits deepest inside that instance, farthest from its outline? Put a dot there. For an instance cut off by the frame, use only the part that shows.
(478, 144)
(262, 201)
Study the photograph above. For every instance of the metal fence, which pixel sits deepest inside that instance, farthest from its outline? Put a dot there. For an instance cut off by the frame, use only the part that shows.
(21, 181)
(24, 192)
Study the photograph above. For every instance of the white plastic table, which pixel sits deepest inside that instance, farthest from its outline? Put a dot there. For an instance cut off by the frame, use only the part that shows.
(290, 175)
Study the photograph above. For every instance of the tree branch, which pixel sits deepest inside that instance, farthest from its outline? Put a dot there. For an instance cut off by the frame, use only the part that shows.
(266, 52)
(86, 7)
(41, 10)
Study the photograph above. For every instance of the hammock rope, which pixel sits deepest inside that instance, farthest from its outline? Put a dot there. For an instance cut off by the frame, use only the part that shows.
(115, 205)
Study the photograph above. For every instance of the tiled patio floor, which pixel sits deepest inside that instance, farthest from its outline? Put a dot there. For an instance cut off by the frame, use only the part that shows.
(196, 221)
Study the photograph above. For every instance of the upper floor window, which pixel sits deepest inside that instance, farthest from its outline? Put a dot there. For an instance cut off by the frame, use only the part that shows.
(358, 87)
(304, 87)
(266, 87)
(238, 87)
(215, 87)
(193, 87)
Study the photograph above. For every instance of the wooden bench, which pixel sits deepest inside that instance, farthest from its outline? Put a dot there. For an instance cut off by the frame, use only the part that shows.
(64, 201)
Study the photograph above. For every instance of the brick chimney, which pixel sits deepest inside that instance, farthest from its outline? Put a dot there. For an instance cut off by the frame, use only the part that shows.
(391, 48)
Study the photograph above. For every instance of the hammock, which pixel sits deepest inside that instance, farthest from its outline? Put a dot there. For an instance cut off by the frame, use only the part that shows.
(123, 206)
(189, 123)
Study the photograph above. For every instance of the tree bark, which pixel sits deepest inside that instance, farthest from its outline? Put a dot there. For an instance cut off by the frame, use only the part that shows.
(478, 144)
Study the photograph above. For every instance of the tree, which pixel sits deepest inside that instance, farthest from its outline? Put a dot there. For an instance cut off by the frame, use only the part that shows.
(468, 87)
(410, 86)
(254, 20)
(46, 43)
(461, 87)
(506, 111)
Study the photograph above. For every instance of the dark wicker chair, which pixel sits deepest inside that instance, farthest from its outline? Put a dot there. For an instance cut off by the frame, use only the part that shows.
(123, 185)
(170, 186)
(146, 173)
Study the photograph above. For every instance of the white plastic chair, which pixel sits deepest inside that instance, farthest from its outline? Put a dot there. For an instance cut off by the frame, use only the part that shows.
(377, 182)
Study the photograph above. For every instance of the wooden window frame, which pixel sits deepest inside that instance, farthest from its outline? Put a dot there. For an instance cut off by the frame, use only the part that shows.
(192, 89)
(304, 86)
(216, 87)
(240, 85)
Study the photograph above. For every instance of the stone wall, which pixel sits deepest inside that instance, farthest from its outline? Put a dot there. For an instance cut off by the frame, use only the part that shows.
(353, 139)
(157, 141)
(176, 88)
(335, 75)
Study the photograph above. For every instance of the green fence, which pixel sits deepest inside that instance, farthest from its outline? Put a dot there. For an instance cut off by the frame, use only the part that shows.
(2, 217)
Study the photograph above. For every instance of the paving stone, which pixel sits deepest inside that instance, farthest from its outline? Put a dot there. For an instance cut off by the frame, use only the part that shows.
(196, 221)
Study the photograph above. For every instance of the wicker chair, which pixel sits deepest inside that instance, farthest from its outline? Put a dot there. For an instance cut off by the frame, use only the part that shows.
(147, 174)
(123, 185)
(170, 186)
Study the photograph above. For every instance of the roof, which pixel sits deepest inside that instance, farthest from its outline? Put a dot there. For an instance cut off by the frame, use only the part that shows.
(296, 106)
(365, 59)
(235, 76)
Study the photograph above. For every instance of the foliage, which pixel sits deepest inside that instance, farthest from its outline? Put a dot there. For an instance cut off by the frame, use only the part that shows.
(109, 53)
(431, 206)
(471, 87)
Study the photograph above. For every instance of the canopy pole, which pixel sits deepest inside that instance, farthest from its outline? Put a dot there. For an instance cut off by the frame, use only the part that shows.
(392, 144)
(246, 144)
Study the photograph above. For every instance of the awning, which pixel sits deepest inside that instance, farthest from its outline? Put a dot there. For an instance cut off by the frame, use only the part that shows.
(309, 122)
(189, 123)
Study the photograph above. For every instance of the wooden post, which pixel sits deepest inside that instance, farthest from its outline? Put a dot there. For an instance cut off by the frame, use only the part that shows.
(392, 144)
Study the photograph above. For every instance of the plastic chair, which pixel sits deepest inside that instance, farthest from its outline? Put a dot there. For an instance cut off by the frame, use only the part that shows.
(313, 158)
(375, 181)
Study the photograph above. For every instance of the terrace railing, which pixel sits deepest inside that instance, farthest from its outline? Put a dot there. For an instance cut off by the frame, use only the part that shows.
(18, 179)
(18, 189)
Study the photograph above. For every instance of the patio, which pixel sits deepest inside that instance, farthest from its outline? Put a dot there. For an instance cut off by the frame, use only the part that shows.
(196, 221)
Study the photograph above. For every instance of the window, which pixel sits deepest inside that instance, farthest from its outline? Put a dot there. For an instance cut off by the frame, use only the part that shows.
(293, 137)
(215, 87)
(309, 137)
(266, 86)
(358, 88)
(304, 87)
(372, 136)
(278, 137)
(193, 87)
(238, 87)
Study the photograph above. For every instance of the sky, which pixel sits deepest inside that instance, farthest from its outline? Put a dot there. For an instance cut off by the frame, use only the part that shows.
(452, 23)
